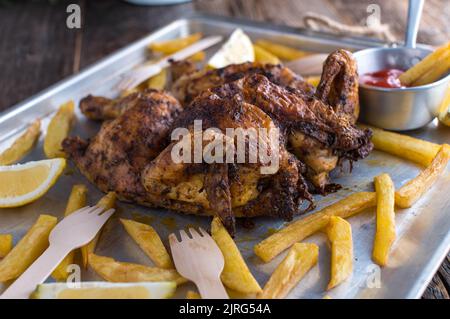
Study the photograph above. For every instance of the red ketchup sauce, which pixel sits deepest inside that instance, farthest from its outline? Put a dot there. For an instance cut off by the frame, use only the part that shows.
(387, 78)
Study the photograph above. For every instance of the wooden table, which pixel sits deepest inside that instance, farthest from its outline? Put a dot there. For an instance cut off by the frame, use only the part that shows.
(38, 50)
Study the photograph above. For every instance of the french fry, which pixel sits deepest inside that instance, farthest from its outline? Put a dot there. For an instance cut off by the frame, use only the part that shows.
(302, 228)
(58, 129)
(159, 81)
(313, 80)
(385, 224)
(131, 91)
(428, 63)
(115, 271)
(442, 66)
(409, 193)
(77, 200)
(413, 149)
(281, 51)
(149, 241)
(193, 295)
(22, 146)
(339, 234)
(264, 56)
(6, 244)
(28, 249)
(299, 260)
(108, 201)
(172, 46)
(444, 109)
(235, 274)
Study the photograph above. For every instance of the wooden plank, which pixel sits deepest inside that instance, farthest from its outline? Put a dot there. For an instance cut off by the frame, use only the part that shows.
(444, 273)
(436, 290)
(434, 29)
(110, 25)
(36, 48)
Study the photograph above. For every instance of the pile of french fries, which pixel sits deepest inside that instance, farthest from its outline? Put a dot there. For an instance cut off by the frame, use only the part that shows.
(236, 276)
(331, 219)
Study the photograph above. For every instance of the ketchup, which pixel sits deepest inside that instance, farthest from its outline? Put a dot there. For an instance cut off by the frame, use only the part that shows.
(387, 78)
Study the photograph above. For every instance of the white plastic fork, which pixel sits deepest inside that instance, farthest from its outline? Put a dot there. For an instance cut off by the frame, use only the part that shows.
(200, 260)
(74, 231)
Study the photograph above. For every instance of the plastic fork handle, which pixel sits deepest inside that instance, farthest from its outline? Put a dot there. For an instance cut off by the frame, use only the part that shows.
(36, 274)
(212, 289)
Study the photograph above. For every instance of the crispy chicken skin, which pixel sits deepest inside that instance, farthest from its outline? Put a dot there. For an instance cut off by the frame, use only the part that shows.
(114, 159)
(188, 86)
(228, 190)
(317, 134)
(338, 90)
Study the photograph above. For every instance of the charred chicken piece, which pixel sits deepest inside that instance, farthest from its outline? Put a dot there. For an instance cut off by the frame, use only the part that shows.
(228, 190)
(100, 108)
(188, 86)
(114, 159)
(317, 134)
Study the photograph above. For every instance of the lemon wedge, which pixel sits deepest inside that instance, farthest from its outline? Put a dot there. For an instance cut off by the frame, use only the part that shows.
(23, 183)
(106, 290)
(237, 49)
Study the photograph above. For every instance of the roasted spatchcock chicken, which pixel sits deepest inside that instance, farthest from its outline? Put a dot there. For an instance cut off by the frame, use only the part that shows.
(133, 153)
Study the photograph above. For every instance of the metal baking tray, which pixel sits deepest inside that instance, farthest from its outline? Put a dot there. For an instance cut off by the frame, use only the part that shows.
(423, 231)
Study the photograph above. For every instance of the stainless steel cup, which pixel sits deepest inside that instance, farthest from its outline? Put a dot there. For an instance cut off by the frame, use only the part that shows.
(398, 109)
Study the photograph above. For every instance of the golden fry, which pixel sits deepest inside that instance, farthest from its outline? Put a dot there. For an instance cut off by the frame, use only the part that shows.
(430, 62)
(299, 260)
(22, 146)
(339, 234)
(77, 200)
(115, 271)
(171, 46)
(193, 295)
(58, 130)
(304, 227)
(444, 110)
(149, 241)
(409, 193)
(313, 80)
(264, 56)
(410, 148)
(159, 81)
(6, 244)
(385, 225)
(281, 51)
(28, 249)
(235, 274)
(442, 66)
(108, 201)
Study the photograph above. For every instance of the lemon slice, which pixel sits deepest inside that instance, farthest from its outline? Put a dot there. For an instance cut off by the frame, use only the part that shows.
(237, 49)
(106, 290)
(24, 183)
